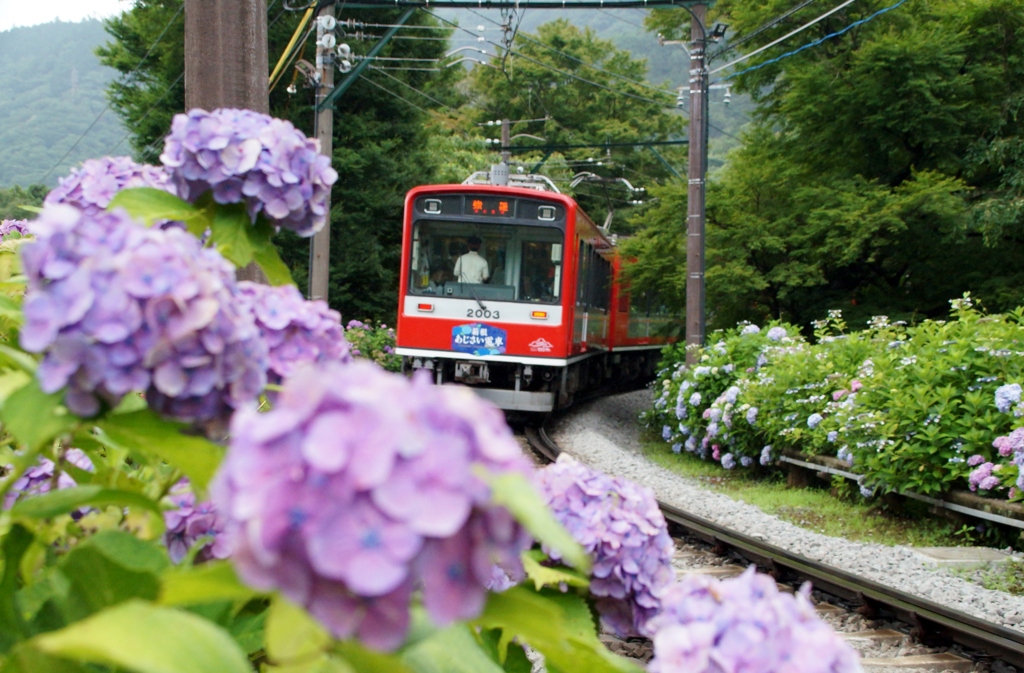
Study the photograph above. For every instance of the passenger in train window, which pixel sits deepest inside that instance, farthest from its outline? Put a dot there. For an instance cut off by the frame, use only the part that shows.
(472, 267)
(437, 280)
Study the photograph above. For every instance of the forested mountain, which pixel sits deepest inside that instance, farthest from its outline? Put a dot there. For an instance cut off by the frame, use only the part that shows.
(51, 90)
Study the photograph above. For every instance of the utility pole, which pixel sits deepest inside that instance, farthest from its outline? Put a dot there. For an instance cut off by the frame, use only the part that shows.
(696, 183)
(320, 246)
(226, 63)
(506, 140)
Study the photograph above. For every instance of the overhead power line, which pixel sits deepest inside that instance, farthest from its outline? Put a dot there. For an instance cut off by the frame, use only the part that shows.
(781, 39)
(392, 93)
(818, 41)
(733, 44)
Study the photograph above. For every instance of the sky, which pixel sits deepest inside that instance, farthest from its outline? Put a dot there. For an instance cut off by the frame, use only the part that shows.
(30, 12)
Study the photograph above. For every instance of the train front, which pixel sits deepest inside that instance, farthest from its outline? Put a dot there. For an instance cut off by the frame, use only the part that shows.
(483, 284)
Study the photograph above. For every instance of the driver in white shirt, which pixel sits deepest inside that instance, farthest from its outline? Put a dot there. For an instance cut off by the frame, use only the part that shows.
(472, 267)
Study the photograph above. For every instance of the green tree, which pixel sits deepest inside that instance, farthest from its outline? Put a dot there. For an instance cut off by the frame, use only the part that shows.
(382, 139)
(879, 159)
(586, 91)
(12, 200)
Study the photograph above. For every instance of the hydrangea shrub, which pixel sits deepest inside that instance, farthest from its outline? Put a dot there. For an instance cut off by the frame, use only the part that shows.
(904, 406)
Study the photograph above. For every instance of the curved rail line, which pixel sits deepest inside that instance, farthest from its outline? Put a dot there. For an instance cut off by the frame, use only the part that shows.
(933, 624)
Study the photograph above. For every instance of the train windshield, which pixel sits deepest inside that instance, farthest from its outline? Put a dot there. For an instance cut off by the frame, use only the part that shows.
(486, 261)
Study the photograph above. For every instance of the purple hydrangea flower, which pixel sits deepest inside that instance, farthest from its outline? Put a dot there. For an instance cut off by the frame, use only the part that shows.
(751, 415)
(766, 455)
(91, 186)
(988, 483)
(750, 329)
(116, 307)
(619, 524)
(666, 433)
(744, 624)
(13, 227)
(677, 447)
(776, 334)
(38, 479)
(814, 420)
(295, 330)
(832, 436)
(746, 461)
(245, 156)
(189, 522)
(1007, 396)
(979, 475)
(731, 394)
(1009, 444)
(360, 487)
(975, 460)
(728, 461)
(695, 399)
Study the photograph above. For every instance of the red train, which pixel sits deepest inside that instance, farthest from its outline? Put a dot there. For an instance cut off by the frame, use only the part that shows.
(515, 292)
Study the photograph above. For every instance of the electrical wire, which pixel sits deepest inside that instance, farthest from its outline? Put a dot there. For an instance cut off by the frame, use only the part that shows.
(818, 41)
(392, 93)
(109, 103)
(733, 44)
(554, 69)
(406, 69)
(427, 96)
(783, 38)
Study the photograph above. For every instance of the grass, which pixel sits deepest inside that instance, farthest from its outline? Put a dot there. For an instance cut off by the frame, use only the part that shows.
(1008, 577)
(816, 508)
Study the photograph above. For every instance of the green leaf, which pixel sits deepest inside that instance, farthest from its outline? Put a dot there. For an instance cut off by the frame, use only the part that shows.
(153, 205)
(214, 581)
(143, 432)
(17, 358)
(230, 233)
(15, 544)
(559, 626)
(364, 660)
(322, 664)
(24, 659)
(543, 576)
(32, 209)
(35, 418)
(453, 650)
(146, 638)
(266, 255)
(109, 569)
(55, 503)
(11, 310)
(514, 492)
(292, 634)
(12, 381)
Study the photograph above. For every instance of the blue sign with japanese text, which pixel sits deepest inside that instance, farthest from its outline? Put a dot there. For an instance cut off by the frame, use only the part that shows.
(479, 339)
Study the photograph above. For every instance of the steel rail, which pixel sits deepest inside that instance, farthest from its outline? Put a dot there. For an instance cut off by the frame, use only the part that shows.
(933, 623)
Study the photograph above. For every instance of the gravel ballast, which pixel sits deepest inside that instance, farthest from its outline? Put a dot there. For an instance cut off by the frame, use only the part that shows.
(606, 435)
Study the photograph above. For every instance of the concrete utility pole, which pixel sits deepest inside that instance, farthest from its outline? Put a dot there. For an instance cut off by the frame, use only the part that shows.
(320, 246)
(226, 63)
(697, 174)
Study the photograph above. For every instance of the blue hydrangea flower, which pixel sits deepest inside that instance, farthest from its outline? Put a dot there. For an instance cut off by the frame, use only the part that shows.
(751, 415)
(746, 461)
(776, 334)
(766, 455)
(832, 436)
(1007, 396)
(728, 461)
(750, 329)
(814, 420)
(666, 433)
(695, 399)
(247, 157)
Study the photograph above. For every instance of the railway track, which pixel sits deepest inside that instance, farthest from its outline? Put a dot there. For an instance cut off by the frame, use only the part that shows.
(851, 600)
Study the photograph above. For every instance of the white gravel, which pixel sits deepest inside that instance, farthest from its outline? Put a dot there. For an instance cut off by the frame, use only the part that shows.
(605, 435)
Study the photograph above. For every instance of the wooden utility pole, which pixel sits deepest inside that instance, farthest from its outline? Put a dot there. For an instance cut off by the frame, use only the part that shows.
(226, 63)
(697, 174)
(320, 246)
